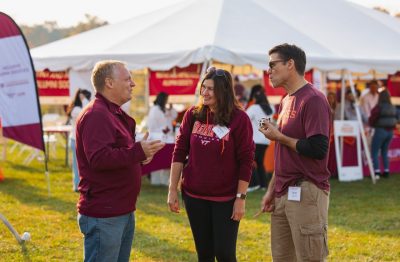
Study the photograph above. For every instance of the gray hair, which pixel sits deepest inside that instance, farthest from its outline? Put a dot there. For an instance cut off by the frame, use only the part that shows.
(101, 71)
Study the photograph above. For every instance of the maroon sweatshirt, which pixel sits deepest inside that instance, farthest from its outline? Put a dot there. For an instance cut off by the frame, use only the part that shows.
(215, 165)
(108, 160)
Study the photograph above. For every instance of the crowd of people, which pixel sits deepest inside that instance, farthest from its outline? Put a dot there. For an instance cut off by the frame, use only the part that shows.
(379, 117)
(218, 158)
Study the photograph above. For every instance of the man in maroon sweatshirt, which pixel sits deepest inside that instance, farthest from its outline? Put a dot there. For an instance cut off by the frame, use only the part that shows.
(109, 163)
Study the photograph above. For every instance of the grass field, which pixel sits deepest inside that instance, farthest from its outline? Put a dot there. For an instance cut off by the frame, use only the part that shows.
(364, 220)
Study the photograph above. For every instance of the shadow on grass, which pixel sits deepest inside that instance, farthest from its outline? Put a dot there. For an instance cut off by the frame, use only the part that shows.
(24, 168)
(161, 250)
(30, 195)
(354, 206)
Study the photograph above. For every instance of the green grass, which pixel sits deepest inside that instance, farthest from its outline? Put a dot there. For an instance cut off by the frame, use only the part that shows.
(364, 220)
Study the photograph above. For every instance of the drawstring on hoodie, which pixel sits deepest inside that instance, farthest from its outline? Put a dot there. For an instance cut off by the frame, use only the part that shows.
(222, 139)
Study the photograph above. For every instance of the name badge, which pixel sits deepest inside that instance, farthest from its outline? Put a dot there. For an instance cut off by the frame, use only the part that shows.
(294, 193)
(220, 131)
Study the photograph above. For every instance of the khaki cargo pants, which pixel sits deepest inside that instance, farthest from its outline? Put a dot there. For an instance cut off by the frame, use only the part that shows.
(299, 229)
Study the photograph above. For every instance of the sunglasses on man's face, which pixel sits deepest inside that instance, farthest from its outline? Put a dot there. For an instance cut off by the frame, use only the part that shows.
(272, 64)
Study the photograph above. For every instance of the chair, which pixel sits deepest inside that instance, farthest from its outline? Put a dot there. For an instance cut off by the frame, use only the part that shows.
(50, 119)
(50, 140)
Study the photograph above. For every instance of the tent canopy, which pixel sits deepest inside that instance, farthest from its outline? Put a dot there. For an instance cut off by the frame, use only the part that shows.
(334, 34)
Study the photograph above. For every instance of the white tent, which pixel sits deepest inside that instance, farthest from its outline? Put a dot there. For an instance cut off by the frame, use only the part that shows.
(335, 34)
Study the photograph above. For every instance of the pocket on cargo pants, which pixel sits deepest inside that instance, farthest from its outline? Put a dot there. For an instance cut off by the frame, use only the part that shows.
(315, 242)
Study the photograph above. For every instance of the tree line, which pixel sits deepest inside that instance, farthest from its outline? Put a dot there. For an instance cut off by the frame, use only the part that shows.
(49, 31)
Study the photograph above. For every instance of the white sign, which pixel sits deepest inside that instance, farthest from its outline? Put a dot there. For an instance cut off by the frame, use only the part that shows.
(17, 87)
(349, 129)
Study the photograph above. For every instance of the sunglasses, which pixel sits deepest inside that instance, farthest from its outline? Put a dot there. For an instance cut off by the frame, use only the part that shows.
(272, 64)
(217, 72)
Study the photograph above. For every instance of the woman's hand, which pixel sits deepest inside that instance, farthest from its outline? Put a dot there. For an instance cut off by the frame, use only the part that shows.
(173, 201)
(239, 207)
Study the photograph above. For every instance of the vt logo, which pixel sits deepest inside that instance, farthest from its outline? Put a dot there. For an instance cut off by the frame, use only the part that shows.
(204, 142)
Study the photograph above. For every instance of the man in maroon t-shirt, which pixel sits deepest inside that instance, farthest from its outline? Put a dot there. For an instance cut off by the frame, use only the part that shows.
(298, 194)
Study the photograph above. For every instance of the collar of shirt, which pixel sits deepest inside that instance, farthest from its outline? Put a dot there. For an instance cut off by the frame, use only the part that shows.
(114, 108)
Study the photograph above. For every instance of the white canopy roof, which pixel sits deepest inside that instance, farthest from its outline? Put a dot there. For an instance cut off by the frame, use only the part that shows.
(335, 35)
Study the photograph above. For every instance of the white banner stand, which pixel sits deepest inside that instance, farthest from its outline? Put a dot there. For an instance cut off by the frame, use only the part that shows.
(349, 129)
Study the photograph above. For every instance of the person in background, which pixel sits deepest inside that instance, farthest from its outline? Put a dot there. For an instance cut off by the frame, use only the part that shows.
(217, 138)
(81, 99)
(349, 106)
(384, 119)
(159, 126)
(334, 105)
(157, 120)
(298, 193)
(260, 109)
(240, 92)
(171, 114)
(370, 99)
(109, 163)
(367, 102)
(335, 115)
(255, 89)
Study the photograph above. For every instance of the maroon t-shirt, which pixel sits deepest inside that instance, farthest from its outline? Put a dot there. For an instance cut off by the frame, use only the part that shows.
(108, 160)
(215, 165)
(301, 115)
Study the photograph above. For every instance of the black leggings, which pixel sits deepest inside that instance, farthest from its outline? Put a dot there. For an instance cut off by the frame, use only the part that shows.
(213, 230)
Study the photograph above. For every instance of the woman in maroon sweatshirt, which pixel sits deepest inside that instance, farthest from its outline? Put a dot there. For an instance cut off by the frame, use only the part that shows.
(216, 141)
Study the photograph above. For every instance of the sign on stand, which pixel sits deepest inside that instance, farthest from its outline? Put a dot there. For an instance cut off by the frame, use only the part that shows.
(347, 129)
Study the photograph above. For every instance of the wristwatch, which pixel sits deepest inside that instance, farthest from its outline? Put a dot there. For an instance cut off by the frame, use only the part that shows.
(241, 196)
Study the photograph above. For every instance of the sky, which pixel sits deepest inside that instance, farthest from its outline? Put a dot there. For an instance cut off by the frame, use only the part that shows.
(70, 12)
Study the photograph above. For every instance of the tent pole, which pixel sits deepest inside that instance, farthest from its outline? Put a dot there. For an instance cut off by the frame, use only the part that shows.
(360, 123)
(342, 97)
(342, 102)
(323, 82)
(147, 89)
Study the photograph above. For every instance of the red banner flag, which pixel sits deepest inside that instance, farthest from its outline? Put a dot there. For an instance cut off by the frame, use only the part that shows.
(52, 83)
(393, 84)
(271, 91)
(177, 81)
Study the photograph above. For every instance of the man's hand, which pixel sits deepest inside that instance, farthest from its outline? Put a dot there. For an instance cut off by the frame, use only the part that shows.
(173, 201)
(267, 202)
(148, 160)
(239, 207)
(150, 147)
(270, 131)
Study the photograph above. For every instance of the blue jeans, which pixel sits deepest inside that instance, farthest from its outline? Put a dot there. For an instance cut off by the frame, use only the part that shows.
(75, 173)
(380, 142)
(107, 239)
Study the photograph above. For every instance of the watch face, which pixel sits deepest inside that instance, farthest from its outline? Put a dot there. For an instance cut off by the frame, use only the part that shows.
(241, 196)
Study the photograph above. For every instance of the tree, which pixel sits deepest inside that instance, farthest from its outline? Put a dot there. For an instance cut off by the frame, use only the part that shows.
(49, 31)
(382, 9)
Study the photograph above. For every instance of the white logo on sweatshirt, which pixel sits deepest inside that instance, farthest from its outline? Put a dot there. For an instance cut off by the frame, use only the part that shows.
(204, 142)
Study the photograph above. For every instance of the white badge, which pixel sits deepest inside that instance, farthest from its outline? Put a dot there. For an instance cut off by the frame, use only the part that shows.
(220, 131)
(294, 193)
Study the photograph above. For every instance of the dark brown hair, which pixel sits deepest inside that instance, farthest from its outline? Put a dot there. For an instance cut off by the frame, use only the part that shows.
(224, 94)
(384, 97)
(287, 52)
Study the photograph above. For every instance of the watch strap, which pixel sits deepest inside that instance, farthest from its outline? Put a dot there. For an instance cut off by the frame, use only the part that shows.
(241, 196)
